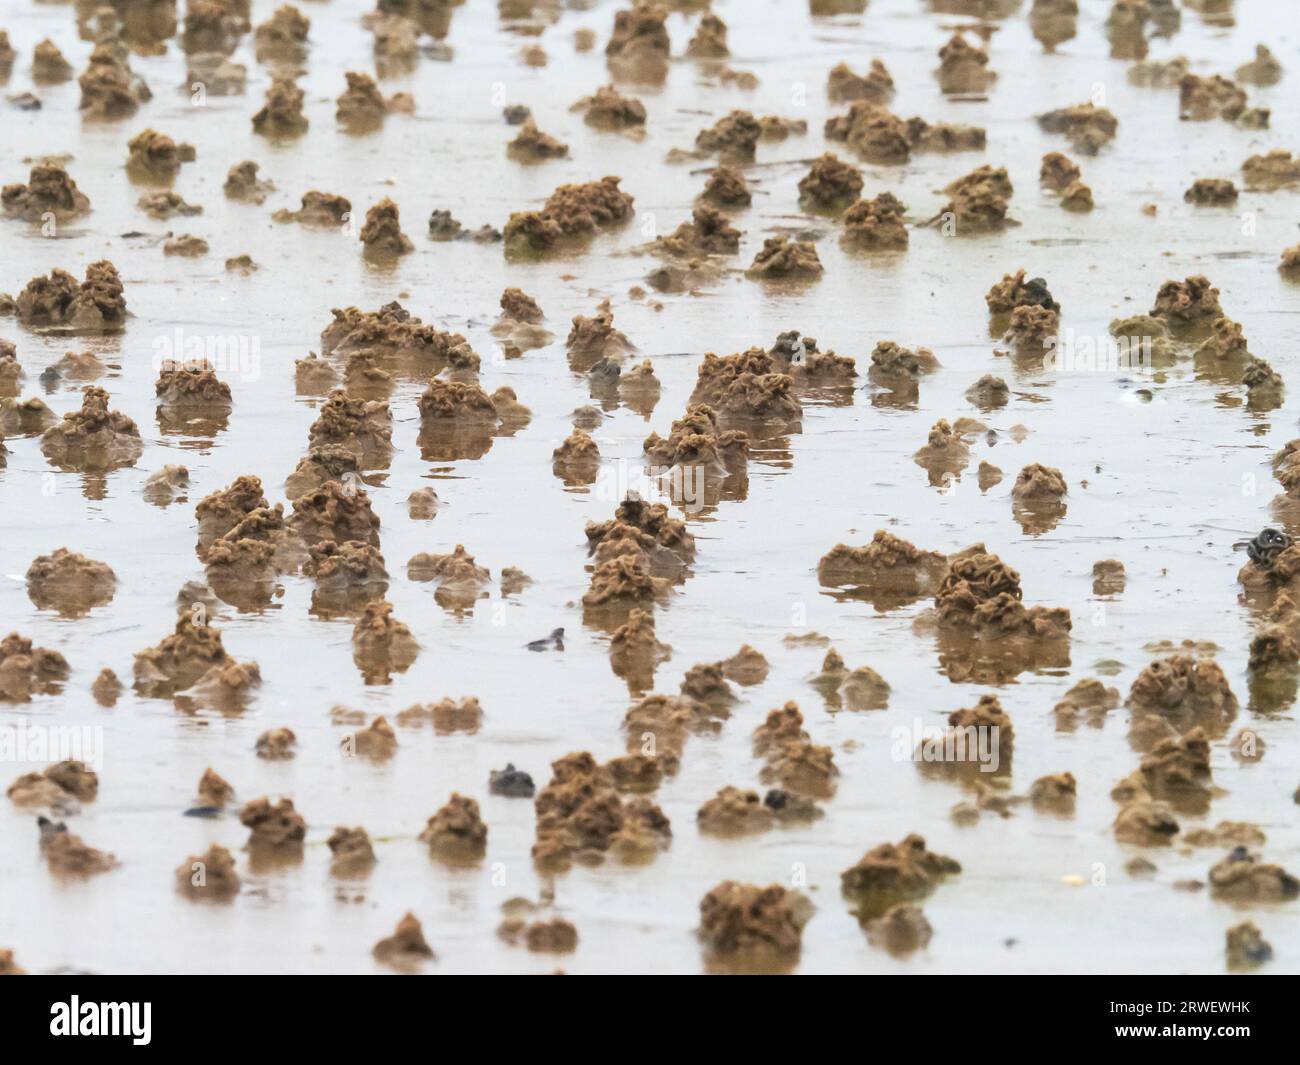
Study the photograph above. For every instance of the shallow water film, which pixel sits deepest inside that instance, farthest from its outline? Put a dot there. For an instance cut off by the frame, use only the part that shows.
(784, 486)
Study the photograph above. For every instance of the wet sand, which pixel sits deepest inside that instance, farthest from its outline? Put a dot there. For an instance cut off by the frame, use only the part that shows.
(1176, 469)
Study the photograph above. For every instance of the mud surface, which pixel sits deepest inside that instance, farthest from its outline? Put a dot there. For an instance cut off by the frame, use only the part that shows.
(1166, 468)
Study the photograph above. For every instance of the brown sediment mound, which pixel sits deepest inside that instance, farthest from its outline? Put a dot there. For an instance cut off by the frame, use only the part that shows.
(1263, 70)
(735, 812)
(1262, 381)
(242, 183)
(277, 744)
(746, 667)
(406, 947)
(531, 145)
(1184, 690)
(988, 476)
(273, 828)
(225, 508)
(1227, 834)
(881, 137)
(1159, 74)
(460, 579)
(799, 765)
(107, 688)
(892, 364)
(1243, 877)
(989, 392)
(608, 109)
(70, 583)
(521, 307)
(352, 853)
(1014, 291)
(647, 527)
(214, 25)
(376, 741)
(707, 683)
(1087, 126)
(782, 259)
(1054, 793)
(214, 790)
(218, 75)
(447, 715)
(1176, 771)
(1145, 823)
(75, 366)
(11, 370)
(396, 42)
(1211, 192)
(281, 116)
(94, 438)
(382, 233)
(577, 459)
(329, 462)
(362, 106)
(382, 645)
(1058, 172)
(1246, 946)
(59, 787)
(31, 417)
(422, 504)
(1201, 99)
(571, 211)
(554, 936)
(638, 45)
(709, 232)
(831, 184)
(876, 86)
(634, 652)
(48, 65)
(321, 209)
(595, 337)
(961, 748)
(776, 128)
(1077, 197)
(1032, 328)
(67, 855)
(876, 224)
(1276, 170)
(981, 593)
(362, 427)
(892, 873)
(96, 304)
(963, 67)
(944, 449)
(346, 570)
(581, 817)
(49, 191)
(888, 562)
(208, 876)
(183, 385)
(748, 925)
(902, 929)
(697, 440)
(283, 36)
(165, 203)
(155, 155)
(187, 246)
(1089, 695)
(456, 832)
(1037, 483)
(978, 200)
(179, 660)
(622, 582)
(710, 40)
(1108, 577)
(726, 187)
(335, 512)
(734, 136)
(109, 88)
